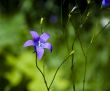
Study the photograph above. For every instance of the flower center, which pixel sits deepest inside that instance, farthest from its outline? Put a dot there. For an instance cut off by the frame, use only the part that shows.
(39, 43)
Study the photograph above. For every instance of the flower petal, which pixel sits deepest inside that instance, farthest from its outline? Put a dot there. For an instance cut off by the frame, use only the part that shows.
(34, 34)
(44, 37)
(48, 46)
(40, 52)
(105, 3)
(28, 43)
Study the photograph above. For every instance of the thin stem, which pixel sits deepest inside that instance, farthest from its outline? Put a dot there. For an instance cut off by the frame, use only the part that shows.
(72, 64)
(87, 52)
(96, 36)
(85, 69)
(59, 68)
(42, 75)
(77, 36)
(86, 55)
(102, 30)
(85, 63)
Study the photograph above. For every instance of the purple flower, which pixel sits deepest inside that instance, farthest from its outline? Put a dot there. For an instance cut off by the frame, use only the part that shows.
(105, 3)
(39, 43)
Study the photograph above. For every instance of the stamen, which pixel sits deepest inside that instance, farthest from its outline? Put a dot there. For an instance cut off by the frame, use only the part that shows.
(39, 43)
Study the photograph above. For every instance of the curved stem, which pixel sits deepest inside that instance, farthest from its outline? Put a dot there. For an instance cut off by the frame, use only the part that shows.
(102, 30)
(42, 75)
(60, 67)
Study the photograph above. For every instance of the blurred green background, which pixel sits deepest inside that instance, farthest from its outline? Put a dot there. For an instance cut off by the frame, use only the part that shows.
(18, 71)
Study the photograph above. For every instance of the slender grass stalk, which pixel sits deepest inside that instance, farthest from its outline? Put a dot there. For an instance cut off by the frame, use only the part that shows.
(78, 37)
(87, 52)
(72, 52)
(48, 87)
(72, 67)
(85, 69)
(42, 75)
(95, 36)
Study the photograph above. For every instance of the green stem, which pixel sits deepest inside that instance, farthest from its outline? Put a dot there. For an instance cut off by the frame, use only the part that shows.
(85, 69)
(42, 74)
(102, 30)
(59, 68)
(77, 36)
(72, 66)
